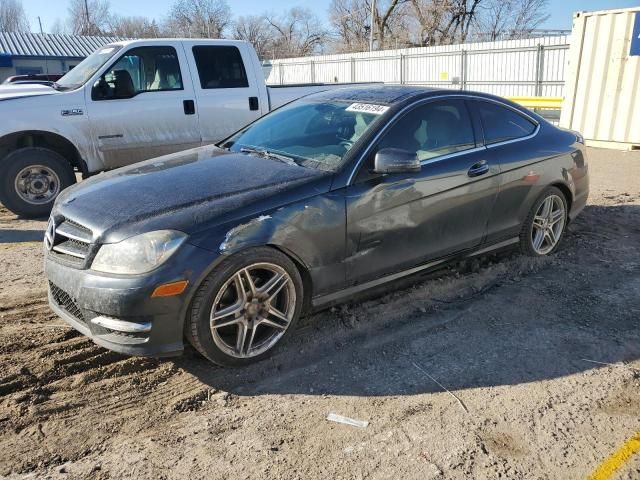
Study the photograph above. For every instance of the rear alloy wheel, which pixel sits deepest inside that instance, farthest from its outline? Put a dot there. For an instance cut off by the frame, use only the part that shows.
(545, 224)
(246, 307)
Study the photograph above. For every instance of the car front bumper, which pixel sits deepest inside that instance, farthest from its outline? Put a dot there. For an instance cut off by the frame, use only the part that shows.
(118, 312)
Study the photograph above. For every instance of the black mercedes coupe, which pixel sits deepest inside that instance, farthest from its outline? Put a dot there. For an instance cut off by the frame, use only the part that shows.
(332, 194)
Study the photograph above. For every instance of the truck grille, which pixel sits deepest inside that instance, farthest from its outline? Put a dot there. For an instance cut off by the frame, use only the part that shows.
(68, 241)
(66, 302)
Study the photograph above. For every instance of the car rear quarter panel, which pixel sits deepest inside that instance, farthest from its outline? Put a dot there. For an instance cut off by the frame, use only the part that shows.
(552, 157)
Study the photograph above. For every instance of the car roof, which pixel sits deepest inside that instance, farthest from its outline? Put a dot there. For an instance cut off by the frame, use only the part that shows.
(393, 95)
(373, 93)
(397, 96)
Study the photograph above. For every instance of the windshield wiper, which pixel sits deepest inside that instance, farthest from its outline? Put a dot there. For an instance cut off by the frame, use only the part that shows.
(268, 154)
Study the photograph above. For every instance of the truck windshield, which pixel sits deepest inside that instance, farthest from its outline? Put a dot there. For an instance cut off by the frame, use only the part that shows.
(81, 74)
(312, 133)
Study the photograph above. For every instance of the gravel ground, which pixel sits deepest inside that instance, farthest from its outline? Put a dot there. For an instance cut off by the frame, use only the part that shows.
(515, 341)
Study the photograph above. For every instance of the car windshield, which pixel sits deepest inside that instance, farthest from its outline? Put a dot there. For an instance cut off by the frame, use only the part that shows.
(82, 72)
(311, 133)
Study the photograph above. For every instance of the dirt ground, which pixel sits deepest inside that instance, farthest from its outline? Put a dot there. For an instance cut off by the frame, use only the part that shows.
(516, 340)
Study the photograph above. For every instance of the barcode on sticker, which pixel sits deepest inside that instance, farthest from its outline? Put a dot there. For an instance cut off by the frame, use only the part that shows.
(367, 108)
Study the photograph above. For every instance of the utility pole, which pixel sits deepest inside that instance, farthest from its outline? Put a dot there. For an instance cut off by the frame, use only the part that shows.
(373, 9)
(86, 11)
(46, 58)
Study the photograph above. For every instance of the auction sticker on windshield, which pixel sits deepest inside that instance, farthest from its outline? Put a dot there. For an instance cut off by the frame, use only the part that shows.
(367, 108)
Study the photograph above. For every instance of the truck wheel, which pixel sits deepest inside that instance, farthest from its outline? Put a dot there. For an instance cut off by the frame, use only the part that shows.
(30, 180)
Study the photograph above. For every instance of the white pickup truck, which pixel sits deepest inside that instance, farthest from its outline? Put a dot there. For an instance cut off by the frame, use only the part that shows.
(127, 102)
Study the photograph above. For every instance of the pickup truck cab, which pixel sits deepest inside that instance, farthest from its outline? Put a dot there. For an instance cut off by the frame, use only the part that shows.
(127, 102)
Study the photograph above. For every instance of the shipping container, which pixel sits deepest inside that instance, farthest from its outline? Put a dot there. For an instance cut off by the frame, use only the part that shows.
(602, 97)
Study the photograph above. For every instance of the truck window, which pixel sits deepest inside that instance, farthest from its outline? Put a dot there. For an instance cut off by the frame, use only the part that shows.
(143, 69)
(220, 67)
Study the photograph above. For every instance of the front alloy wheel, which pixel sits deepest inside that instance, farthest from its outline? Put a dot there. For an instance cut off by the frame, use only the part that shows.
(246, 306)
(253, 310)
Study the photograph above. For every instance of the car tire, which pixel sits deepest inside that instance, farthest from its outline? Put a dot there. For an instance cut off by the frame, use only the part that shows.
(246, 307)
(544, 227)
(30, 180)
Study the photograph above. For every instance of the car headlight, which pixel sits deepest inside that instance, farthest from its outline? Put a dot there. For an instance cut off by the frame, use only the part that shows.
(139, 254)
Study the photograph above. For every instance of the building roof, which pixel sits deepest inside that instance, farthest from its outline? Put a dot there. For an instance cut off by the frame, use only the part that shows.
(50, 45)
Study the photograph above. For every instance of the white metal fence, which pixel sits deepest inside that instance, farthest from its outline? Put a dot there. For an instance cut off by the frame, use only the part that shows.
(531, 67)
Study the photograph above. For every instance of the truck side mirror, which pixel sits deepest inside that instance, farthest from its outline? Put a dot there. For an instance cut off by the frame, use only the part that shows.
(100, 89)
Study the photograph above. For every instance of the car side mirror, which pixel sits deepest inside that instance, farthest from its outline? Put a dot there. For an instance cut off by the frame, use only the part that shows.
(396, 160)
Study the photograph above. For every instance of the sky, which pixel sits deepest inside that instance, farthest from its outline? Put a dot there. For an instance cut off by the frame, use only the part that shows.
(561, 10)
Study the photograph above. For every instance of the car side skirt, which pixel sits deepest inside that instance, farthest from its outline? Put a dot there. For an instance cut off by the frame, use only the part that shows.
(335, 297)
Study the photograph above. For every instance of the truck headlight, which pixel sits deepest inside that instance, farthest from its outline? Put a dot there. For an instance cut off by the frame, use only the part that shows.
(139, 254)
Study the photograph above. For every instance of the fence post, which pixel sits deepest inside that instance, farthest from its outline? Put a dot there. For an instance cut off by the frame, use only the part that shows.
(353, 70)
(401, 69)
(280, 72)
(539, 70)
(313, 71)
(463, 69)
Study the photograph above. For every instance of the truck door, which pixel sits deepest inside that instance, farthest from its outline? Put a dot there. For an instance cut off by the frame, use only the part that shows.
(226, 87)
(143, 106)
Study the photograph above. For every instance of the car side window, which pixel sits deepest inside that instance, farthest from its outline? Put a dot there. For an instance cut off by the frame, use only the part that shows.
(431, 130)
(143, 69)
(502, 123)
(220, 67)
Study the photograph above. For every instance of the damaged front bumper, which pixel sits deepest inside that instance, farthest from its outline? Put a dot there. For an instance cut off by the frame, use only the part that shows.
(118, 312)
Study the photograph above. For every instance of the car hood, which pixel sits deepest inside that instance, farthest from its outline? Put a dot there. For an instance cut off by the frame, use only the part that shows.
(8, 92)
(185, 191)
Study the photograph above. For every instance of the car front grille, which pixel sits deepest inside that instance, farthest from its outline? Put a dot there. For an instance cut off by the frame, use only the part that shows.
(69, 241)
(66, 302)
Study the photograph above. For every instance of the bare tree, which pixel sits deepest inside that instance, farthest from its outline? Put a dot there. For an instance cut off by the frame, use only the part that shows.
(12, 17)
(256, 30)
(351, 24)
(430, 16)
(297, 33)
(461, 16)
(90, 17)
(495, 19)
(350, 21)
(133, 27)
(509, 19)
(198, 18)
(387, 21)
(529, 15)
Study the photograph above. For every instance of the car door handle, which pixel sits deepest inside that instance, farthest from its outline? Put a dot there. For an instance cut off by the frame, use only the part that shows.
(253, 103)
(479, 168)
(189, 107)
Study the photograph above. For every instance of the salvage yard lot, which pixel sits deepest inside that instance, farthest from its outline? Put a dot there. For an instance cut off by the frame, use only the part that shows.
(517, 340)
